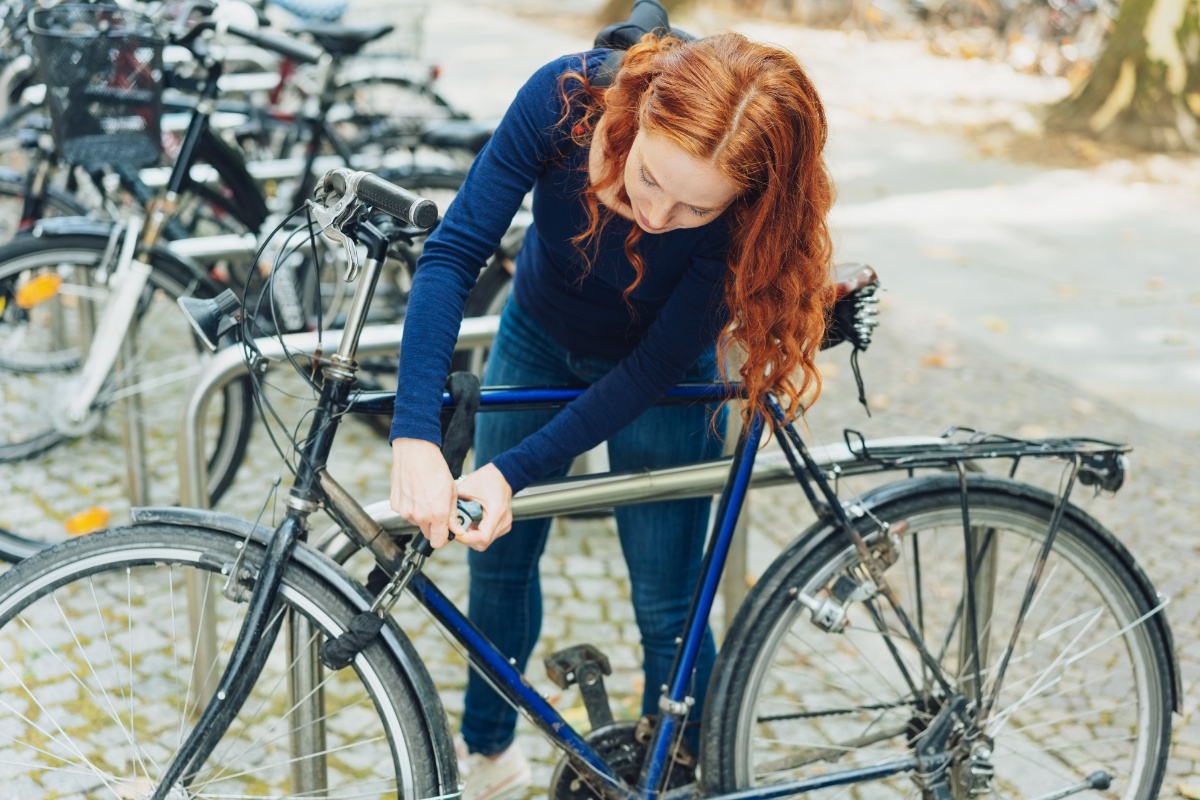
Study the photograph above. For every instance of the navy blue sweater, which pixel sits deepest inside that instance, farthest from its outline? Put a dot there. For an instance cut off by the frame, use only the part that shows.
(672, 317)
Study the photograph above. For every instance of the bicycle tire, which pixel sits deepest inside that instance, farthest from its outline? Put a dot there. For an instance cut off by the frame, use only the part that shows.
(381, 112)
(107, 682)
(838, 697)
(40, 362)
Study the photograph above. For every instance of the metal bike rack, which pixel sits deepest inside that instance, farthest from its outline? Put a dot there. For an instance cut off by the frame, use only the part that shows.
(228, 365)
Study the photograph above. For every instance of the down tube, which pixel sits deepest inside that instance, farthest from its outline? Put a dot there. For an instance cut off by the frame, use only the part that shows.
(507, 679)
(724, 525)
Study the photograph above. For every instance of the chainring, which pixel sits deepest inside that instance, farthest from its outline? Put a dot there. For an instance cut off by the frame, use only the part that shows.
(618, 744)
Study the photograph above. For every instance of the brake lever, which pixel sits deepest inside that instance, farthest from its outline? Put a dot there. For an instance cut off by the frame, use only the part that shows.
(333, 219)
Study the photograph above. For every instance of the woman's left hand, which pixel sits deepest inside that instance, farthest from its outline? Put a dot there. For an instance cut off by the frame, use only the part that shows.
(488, 487)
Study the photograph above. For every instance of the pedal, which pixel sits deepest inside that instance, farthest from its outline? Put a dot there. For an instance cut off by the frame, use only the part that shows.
(586, 666)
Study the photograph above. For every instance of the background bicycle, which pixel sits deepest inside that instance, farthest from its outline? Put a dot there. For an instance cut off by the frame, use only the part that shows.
(43, 339)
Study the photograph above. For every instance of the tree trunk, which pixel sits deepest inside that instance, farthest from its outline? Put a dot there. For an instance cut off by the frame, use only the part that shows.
(1145, 88)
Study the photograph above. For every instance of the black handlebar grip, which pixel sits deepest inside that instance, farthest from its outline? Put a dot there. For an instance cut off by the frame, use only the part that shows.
(409, 208)
(285, 46)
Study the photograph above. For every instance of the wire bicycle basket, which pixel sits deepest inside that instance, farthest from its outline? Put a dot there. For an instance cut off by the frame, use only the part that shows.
(102, 66)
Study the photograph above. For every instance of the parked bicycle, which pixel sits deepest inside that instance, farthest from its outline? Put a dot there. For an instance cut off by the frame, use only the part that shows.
(76, 332)
(948, 635)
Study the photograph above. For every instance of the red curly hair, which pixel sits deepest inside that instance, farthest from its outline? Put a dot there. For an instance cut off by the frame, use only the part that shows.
(751, 111)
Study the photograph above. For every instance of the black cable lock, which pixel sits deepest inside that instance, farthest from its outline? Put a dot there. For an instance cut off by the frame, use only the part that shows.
(458, 435)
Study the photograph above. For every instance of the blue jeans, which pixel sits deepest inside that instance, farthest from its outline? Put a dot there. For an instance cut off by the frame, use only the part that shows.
(663, 543)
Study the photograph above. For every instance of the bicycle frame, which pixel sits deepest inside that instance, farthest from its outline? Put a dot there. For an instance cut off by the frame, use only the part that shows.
(314, 486)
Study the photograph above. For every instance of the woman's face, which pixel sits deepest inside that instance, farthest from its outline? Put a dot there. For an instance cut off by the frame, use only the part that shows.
(669, 189)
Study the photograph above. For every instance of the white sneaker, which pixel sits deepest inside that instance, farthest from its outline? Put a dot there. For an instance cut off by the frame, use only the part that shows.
(494, 778)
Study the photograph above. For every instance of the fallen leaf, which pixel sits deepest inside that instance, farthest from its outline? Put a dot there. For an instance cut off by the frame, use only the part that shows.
(1066, 290)
(995, 324)
(1155, 283)
(933, 360)
(879, 402)
(1087, 149)
(940, 252)
(1082, 406)
(1189, 790)
(1031, 432)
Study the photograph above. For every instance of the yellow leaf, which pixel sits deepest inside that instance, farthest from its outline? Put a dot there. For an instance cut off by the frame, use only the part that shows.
(995, 324)
(933, 360)
(1081, 406)
(89, 520)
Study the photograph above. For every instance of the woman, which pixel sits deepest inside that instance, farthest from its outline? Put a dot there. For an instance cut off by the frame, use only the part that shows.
(678, 212)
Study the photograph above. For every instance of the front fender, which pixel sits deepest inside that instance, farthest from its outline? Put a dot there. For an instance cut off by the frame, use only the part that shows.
(89, 226)
(72, 226)
(354, 593)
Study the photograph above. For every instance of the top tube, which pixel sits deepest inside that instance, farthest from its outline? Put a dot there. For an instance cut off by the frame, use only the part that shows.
(523, 398)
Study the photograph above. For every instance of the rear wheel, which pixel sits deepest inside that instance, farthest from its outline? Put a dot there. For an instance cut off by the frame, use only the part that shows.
(379, 112)
(104, 665)
(1088, 686)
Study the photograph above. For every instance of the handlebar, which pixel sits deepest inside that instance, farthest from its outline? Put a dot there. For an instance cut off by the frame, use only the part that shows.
(280, 43)
(276, 42)
(409, 208)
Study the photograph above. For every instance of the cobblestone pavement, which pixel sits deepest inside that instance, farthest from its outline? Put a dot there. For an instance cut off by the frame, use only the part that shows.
(922, 375)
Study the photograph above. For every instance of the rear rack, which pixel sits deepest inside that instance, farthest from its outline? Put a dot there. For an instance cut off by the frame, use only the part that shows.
(1101, 463)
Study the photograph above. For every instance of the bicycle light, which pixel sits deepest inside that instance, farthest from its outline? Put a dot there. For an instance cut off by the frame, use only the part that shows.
(212, 318)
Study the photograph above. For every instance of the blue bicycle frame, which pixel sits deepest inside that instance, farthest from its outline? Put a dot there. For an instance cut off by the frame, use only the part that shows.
(674, 702)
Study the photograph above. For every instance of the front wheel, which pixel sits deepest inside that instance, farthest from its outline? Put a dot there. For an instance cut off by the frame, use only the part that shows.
(108, 643)
(1088, 686)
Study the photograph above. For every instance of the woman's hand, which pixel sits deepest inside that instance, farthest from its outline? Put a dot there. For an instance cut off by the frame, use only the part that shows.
(423, 491)
(488, 487)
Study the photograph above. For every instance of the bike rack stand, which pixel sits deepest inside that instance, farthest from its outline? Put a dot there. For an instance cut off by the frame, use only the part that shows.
(228, 365)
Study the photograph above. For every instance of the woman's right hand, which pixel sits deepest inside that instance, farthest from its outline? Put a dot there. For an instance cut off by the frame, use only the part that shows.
(423, 492)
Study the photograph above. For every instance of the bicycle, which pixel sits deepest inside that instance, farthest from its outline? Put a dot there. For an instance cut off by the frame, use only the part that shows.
(57, 286)
(974, 629)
